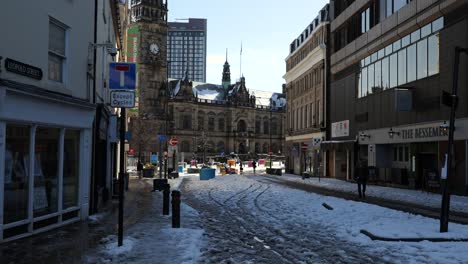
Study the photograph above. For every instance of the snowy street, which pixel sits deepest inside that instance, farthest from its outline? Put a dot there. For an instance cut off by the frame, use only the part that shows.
(247, 221)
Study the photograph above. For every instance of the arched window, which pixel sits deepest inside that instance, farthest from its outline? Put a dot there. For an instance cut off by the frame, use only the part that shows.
(211, 123)
(265, 148)
(210, 147)
(185, 146)
(274, 126)
(257, 147)
(241, 126)
(221, 124)
(187, 122)
(220, 147)
(258, 125)
(201, 120)
(266, 126)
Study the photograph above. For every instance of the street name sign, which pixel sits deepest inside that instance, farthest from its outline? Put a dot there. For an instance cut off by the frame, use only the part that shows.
(122, 76)
(124, 99)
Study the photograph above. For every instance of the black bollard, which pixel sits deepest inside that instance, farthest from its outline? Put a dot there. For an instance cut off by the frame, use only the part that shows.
(175, 209)
(167, 190)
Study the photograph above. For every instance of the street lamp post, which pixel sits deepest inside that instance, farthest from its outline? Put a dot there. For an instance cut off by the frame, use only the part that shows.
(453, 102)
(270, 150)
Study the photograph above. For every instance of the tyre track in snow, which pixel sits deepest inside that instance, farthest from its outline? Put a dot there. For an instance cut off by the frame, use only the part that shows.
(251, 232)
(237, 235)
(241, 229)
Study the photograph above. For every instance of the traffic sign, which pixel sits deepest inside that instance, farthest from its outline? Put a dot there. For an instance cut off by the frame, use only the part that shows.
(304, 147)
(162, 138)
(122, 99)
(173, 141)
(122, 76)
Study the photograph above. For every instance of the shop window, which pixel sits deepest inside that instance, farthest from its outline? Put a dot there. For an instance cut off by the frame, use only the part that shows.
(395, 154)
(71, 161)
(406, 153)
(400, 153)
(16, 173)
(46, 171)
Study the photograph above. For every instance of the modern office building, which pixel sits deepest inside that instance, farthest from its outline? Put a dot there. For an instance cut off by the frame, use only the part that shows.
(306, 87)
(187, 45)
(391, 62)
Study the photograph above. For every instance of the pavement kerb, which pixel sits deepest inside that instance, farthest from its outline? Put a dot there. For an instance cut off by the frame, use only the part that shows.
(432, 212)
(411, 239)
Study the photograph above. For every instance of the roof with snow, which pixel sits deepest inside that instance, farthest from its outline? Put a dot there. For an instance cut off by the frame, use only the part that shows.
(215, 92)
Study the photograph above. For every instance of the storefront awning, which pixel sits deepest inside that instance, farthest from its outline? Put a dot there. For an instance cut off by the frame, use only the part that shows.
(338, 144)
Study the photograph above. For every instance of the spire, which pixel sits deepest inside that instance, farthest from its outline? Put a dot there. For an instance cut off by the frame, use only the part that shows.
(226, 81)
(226, 55)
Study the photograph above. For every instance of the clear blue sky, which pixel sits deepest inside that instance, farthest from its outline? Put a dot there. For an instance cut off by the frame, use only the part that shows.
(265, 28)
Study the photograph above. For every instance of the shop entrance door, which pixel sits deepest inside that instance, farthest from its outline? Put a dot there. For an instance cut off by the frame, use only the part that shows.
(427, 166)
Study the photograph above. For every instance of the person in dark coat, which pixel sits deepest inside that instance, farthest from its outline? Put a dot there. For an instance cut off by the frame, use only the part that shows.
(361, 176)
(254, 165)
(139, 169)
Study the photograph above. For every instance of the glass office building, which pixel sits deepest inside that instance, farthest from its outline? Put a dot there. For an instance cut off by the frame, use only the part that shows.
(187, 49)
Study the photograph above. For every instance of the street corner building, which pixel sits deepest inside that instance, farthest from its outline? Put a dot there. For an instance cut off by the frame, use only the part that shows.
(306, 88)
(46, 115)
(391, 62)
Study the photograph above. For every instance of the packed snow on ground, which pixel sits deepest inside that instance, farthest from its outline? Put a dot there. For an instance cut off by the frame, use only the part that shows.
(153, 240)
(298, 208)
(457, 203)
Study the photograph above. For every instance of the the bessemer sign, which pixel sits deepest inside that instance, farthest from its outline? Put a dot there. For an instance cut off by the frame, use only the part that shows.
(424, 132)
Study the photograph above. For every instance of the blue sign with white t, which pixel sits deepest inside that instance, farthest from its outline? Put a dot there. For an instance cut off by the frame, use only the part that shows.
(122, 76)
(162, 138)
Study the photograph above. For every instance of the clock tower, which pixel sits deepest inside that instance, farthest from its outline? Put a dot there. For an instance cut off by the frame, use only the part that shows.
(150, 19)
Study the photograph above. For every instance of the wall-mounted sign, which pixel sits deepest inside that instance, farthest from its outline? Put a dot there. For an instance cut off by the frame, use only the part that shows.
(23, 69)
(340, 129)
(424, 132)
(125, 99)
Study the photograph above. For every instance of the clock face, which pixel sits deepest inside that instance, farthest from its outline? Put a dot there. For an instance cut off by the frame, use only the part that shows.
(154, 48)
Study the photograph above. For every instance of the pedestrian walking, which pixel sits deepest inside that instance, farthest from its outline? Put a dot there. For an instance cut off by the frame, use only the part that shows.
(241, 168)
(360, 176)
(139, 169)
(254, 165)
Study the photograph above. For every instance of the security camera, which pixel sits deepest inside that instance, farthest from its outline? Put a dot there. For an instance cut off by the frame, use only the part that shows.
(112, 51)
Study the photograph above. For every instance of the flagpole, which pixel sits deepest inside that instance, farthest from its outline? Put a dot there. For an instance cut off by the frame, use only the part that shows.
(240, 70)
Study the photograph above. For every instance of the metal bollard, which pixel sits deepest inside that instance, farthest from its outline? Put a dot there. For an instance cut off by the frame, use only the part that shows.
(167, 190)
(175, 209)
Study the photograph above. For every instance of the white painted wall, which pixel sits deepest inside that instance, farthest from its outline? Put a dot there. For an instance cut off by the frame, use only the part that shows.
(25, 38)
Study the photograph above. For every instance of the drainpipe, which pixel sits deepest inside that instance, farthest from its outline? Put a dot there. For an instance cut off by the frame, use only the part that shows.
(92, 207)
